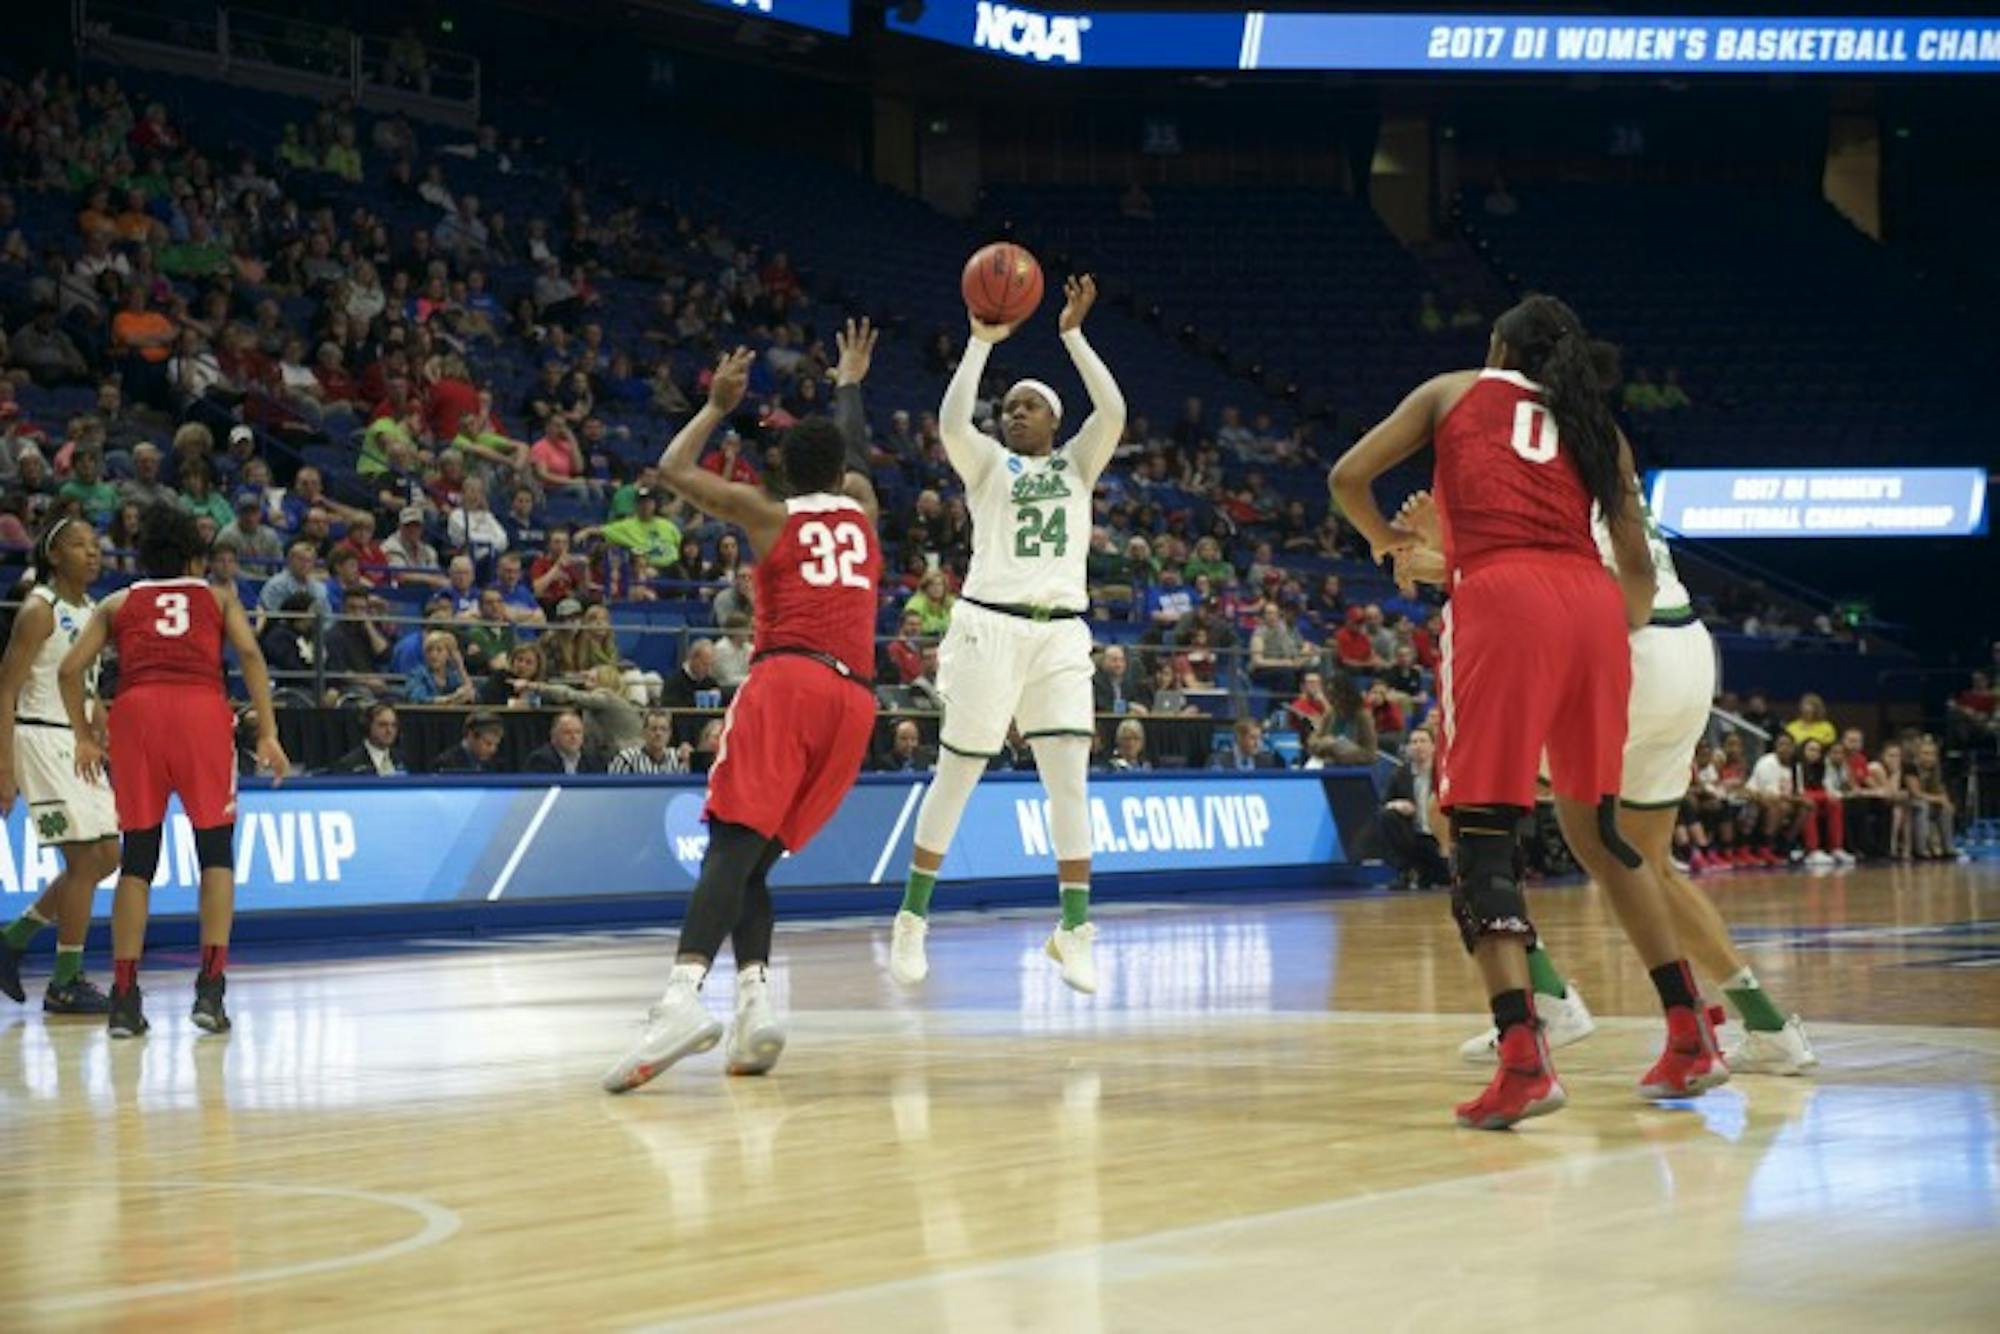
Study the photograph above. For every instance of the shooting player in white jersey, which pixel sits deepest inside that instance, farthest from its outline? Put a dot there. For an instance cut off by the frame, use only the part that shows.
(1018, 649)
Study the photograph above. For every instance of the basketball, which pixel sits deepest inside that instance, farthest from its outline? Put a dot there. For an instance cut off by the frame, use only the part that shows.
(1002, 284)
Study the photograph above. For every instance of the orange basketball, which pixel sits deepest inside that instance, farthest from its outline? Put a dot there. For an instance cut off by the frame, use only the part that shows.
(1002, 284)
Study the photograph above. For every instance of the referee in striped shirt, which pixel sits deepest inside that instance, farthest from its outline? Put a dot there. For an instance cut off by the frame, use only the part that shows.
(655, 753)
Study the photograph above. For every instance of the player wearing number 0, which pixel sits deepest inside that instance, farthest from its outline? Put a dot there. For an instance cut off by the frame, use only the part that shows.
(37, 761)
(1018, 649)
(172, 734)
(797, 731)
(1535, 662)
(1673, 683)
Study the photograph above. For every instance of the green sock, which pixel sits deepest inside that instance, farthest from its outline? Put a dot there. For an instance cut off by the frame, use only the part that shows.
(1542, 973)
(917, 892)
(1075, 906)
(1753, 1004)
(69, 965)
(24, 929)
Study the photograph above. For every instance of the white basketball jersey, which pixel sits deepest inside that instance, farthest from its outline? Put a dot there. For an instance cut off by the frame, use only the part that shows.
(1669, 594)
(1030, 532)
(41, 697)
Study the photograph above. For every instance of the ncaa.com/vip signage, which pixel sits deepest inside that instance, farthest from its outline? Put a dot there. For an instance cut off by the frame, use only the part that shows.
(834, 16)
(313, 845)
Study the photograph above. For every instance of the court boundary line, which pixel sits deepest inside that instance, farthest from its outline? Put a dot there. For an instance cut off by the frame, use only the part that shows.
(889, 847)
(440, 1225)
(987, 1269)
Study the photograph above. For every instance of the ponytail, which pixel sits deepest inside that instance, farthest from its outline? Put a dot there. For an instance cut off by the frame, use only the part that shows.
(1577, 374)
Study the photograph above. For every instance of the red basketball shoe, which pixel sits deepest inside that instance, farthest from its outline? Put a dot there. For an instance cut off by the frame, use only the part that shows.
(1524, 1085)
(1691, 1064)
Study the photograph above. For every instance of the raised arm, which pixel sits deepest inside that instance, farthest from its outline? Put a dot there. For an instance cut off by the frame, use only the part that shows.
(237, 633)
(680, 467)
(857, 352)
(1090, 450)
(972, 452)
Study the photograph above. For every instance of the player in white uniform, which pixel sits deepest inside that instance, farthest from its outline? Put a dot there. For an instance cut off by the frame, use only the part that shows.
(1673, 684)
(1018, 649)
(38, 761)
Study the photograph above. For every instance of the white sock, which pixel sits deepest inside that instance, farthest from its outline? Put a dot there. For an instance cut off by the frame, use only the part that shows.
(753, 979)
(1744, 980)
(686, 979)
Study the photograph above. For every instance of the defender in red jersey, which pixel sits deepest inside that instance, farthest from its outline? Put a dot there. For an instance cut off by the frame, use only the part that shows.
(1535, 659)
(797, 730)
(172, 734)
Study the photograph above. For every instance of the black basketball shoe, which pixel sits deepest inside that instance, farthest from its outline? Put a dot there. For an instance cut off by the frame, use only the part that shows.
(79, 995)
(208, 1012)
(128, 1019)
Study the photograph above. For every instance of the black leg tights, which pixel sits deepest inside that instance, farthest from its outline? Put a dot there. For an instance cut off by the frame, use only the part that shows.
(752, 938)
(736, 858)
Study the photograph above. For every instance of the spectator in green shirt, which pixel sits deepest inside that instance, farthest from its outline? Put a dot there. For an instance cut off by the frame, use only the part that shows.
(1207, 559)
(343, 159)
(625, 500)
(932, 604)
(88, 488)
(202, 255)
(1641, 394)
(1672, 397)
(294, 152)
(646, 534)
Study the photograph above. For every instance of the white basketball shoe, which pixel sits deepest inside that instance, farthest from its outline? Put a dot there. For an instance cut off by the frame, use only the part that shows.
(677, 1026)
(1786, 1052)
(907, 964)
(757, 1039)
(1565, 1019)
(1070, 948)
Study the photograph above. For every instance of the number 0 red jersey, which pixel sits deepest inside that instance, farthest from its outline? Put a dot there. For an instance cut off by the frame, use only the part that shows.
(815, 587)
(169, 632)
(1505, 479)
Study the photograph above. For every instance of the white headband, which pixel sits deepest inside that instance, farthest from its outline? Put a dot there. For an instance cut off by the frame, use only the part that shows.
(1049, 395)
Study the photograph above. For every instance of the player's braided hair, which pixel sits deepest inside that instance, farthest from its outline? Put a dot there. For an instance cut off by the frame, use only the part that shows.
(1577, 374)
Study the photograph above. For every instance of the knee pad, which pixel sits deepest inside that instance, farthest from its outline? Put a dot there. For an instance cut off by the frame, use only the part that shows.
(140, 856)
(215, 848)
(1614, 842)
(1064, 764)
(1486, 895)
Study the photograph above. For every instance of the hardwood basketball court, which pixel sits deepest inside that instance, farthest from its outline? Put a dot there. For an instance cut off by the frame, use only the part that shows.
(1249, 1128)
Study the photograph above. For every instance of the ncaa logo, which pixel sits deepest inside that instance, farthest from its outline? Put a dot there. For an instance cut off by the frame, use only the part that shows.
(1030, 34)
(1014, 465)
(687, 832)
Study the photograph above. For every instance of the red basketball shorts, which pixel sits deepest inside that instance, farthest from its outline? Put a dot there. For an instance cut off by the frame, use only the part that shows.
(173, 741)
(792, 742)
(1536, 661)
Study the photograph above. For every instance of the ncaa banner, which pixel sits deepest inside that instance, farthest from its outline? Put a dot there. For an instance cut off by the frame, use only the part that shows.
(1819, 502)
(339, 845)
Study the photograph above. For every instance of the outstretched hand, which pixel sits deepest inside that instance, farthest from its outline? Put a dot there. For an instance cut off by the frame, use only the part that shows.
(731, 382)
(990, 333)
(1079, 295)
(857, 350)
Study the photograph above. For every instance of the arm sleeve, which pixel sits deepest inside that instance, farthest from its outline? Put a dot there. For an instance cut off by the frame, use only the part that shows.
(1091, 449)
(852, 418)
(971, 453)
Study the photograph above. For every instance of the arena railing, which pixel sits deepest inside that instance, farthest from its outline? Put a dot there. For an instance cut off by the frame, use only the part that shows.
(286, 54)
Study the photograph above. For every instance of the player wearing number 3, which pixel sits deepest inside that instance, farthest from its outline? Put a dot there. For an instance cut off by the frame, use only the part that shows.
(172, 734)
(1018, 649)
(797, 731)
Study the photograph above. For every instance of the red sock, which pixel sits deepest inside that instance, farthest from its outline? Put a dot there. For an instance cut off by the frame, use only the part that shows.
(124, 974)
(214, 958)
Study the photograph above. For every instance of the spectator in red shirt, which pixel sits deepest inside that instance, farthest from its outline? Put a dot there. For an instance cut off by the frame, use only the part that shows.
(1974, 712)
(1425, 639)
(730, 463)
(904, 655)
(1353, 647)
(452, 398)
(779, 278)
(360, 539)
(1311, 705)
(561, 572)
(1388, 717)
(153, 132)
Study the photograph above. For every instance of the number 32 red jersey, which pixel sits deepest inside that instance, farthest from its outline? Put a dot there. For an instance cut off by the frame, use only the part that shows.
(1505, 479)
(816, 586)
(169, 633)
